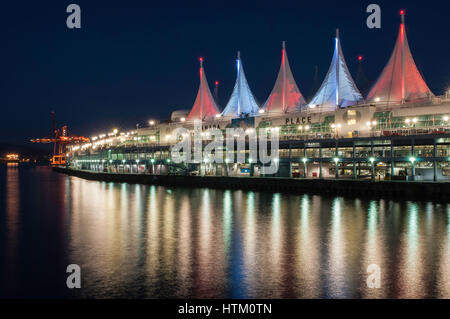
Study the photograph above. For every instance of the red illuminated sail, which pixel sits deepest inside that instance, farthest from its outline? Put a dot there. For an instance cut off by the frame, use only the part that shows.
(400, 80)
(204, 107)
(285, 95)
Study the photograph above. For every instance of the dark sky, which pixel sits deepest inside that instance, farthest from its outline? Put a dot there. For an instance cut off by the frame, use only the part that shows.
(134, 60)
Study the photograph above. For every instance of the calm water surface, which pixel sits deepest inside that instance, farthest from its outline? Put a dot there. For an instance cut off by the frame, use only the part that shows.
(157, 242)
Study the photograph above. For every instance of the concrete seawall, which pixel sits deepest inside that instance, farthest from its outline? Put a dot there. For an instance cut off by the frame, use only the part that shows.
(385, 189)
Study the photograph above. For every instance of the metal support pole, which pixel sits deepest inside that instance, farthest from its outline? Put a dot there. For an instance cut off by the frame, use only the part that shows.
(354, 160)
(434, 161)
(336, 173)
(320, 161)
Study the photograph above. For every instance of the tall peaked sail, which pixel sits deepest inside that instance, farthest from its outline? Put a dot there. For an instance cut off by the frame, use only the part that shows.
(400, 80)
(204, 106)
(285, 95)
(241, 101)
(338, 89)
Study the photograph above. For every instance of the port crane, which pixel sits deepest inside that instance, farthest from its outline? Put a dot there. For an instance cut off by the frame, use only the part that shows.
(60, 138)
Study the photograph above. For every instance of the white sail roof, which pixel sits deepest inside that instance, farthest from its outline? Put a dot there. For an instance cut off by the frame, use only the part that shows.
(204, 107)
(400, 80)
(241, 101)
(338, 88)
(285, 95)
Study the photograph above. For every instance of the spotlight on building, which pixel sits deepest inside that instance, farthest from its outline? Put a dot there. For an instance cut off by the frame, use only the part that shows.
(218, 115)
(151, 122)
(183, 119)
(377, 99)
(261, 111)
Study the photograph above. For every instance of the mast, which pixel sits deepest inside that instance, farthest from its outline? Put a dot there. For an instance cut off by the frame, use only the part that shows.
(283, 62)
(402, 26)
(337, 68)
(216, 91)
(239, 83)
(201, 88)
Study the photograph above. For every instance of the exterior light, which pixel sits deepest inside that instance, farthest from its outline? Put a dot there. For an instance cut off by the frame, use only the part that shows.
(218, 115)
(249, 160)
(123, 161)
(372, 159)
(374, 123)
(261, 111)
(115, 131)
(137, 161)
(333, 125)
(360, 58)
(183, 119)
(311, 106)
(414, 120)
(151, 122)
(152, 160)
(339, 125)
(446, 118)
(336, 160)
(412, 159)
(407, 121)
(110, 161)
(377, 99)
(168, 160)
(168, 136)
(368, 123)
(304, 159)
(276, 160)
(300, 127)
(227, 160)
(307, 127)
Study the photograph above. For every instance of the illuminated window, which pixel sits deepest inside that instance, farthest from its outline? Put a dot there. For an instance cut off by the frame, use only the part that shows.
(351, 117)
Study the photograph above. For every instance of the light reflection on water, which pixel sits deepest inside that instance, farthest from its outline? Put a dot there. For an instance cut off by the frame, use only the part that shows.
(155, 242)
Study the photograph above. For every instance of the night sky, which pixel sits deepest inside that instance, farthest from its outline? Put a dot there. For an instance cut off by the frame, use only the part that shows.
(136, 60)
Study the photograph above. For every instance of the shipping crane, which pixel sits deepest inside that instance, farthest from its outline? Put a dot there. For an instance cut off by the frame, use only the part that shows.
(60, 138)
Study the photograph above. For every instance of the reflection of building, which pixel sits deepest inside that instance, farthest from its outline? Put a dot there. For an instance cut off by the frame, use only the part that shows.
(401, 129)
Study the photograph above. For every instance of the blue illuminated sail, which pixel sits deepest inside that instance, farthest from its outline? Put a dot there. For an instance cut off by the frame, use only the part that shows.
(241, 102)
(338, 89)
